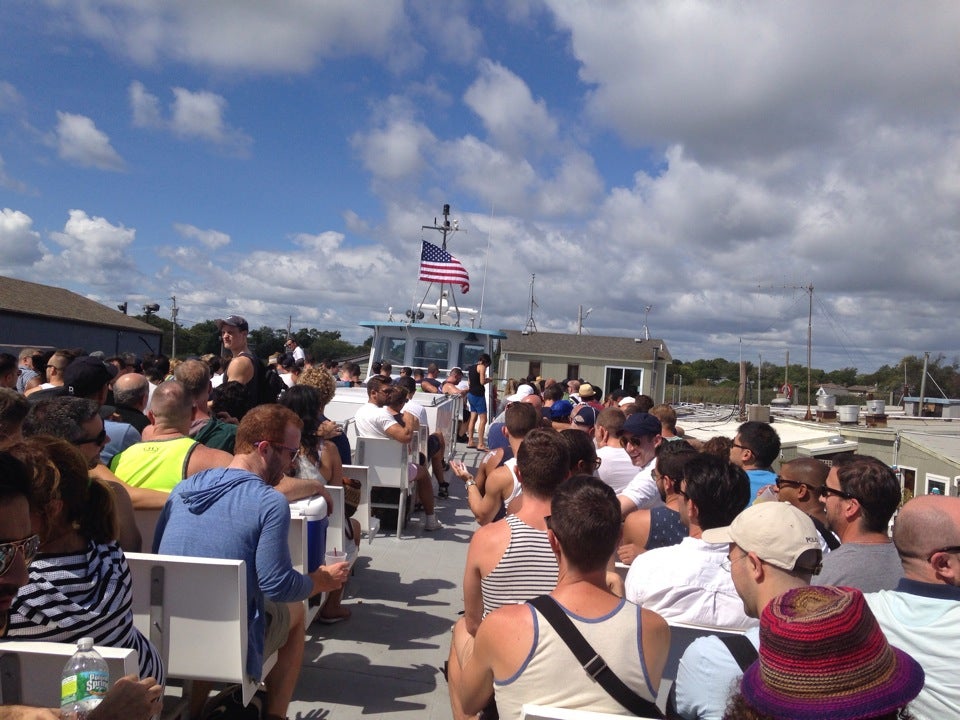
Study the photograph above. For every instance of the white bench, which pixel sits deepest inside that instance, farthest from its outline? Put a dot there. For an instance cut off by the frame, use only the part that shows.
(30, 671)
(194, 610)
(386, 462)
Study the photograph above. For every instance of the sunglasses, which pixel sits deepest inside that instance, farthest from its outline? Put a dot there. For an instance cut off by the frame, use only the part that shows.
(99, 439)
(624, 441)
(781, 482)
(8, 551)
(827, 491)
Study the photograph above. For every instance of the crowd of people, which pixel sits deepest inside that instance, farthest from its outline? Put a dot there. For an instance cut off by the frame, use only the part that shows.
(599, 525)
(820, 610)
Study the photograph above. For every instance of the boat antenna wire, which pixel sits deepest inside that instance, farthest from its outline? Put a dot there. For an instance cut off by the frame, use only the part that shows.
(486, 265)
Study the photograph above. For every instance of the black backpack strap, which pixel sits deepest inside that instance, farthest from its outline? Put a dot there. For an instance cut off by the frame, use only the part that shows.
(590, 660)
(828, 537)
(741, 648)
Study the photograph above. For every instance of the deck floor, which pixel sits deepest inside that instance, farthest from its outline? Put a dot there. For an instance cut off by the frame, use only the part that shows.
(386, 661)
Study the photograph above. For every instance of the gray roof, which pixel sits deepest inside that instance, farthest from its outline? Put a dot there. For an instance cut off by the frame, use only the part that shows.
(26, 298)
(583, 346)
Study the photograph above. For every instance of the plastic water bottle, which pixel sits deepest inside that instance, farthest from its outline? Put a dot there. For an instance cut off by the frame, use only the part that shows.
(84, 683)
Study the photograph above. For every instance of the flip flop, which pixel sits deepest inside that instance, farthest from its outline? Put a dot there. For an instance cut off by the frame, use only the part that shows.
(482, 449)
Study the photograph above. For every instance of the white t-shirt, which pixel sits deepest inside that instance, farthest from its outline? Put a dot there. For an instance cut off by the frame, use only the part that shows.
(642, 490)
(373, 421)
(616, 468)
(419, 412)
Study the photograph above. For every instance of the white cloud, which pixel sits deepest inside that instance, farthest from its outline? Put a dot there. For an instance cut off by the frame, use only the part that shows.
(192, 115)
(81, 143)
(146, 107)
(504, 103)
(211, 239)
(754, 79)
(395, 150)
(248, 35)
(19, 242)
(200, 115)
(95, 250)
(11, 101)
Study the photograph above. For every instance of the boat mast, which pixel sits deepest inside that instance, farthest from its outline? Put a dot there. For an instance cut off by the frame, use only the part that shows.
(447, 228)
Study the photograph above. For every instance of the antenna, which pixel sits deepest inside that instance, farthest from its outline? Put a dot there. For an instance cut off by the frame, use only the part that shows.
(808, 288)
(646, 329)
(531, 325)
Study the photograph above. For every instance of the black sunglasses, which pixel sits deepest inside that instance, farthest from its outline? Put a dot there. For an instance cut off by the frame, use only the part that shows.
(827, 491)
(795, 483)
(98, 440)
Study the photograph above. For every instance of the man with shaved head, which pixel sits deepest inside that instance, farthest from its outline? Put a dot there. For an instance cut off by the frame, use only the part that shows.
(130, 394)
(922, 614)
(169, 455)
(799, 484)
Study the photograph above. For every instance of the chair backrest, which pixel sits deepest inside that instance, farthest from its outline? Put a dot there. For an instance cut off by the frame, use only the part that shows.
(194, 610)
(30, 671)
(530, 711)
(368, 523)
(146, 521)
(681, 635)
(386, 461)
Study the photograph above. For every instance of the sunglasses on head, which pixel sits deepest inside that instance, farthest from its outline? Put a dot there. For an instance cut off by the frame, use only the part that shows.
(8, 551)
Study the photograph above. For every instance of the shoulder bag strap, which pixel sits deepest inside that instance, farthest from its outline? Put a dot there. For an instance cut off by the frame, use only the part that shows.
(592, 663)
(741, 648)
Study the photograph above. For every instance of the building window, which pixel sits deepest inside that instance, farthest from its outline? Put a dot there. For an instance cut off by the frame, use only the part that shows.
(936, 484)
(908, 481)
(533, 370)
(629, 379)
(573, 371)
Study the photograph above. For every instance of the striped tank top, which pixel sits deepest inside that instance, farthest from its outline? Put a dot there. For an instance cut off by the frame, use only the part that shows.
(528, 568)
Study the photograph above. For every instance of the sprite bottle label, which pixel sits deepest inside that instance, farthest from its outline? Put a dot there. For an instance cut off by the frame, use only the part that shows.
(85, 685)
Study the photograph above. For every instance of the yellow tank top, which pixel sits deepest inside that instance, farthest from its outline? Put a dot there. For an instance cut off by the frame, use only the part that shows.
(155, 465)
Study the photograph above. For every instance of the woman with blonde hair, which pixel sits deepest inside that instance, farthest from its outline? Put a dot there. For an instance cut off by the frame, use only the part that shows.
(80, 583)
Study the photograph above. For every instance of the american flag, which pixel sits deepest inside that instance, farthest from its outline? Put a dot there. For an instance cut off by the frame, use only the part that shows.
(437, 265)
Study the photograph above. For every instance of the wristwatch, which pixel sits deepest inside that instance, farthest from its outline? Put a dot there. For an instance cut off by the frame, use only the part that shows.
(470, 483)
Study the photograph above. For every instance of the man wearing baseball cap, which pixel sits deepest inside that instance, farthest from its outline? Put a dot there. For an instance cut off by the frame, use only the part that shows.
(774, 547)
(244, 366)
(640, 438)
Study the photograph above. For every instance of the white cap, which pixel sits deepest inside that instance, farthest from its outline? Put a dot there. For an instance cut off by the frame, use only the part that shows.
(522, 392)
(777, 532)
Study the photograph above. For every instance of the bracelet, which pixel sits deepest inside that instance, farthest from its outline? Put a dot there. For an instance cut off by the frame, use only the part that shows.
(470, 483)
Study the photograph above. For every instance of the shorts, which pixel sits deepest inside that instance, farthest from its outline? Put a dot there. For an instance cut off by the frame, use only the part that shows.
(278, 626)
(433, 445)
(478, 404)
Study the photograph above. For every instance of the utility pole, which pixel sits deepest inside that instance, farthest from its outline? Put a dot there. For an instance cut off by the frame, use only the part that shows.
(174, 311)
(759, 371)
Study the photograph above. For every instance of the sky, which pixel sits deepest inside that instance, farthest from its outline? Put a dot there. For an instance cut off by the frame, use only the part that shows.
(690, 166)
